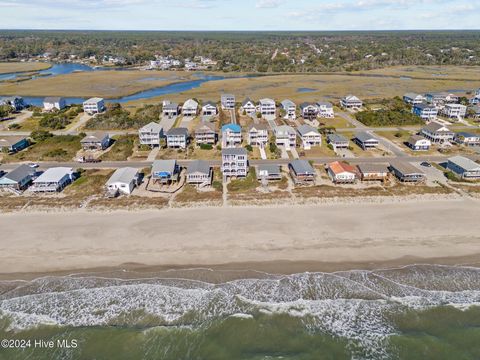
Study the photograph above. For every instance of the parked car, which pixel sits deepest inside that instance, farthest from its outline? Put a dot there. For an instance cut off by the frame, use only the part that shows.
(84, 159)
(33, 165)
(426, 164)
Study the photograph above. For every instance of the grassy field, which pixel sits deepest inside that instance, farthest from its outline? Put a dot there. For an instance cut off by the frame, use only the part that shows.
(107, 84)
(121, 149)
(55, 148)
(12, 67)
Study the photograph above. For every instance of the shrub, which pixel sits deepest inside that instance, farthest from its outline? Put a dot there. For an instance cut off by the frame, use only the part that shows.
(56, 153)
(41, 135)
(206, 146)
(249, 148)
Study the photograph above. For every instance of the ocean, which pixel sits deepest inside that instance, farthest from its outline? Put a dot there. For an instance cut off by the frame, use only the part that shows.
(412, 312)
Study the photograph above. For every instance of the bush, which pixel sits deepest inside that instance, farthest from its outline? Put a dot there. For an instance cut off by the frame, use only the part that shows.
(395, 112)
(41, 135)
(249, 148)
(14, 126)
(56, 153)
(206, 146)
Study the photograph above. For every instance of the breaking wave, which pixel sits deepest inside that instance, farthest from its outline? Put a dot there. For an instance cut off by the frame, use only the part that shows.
(354, 305)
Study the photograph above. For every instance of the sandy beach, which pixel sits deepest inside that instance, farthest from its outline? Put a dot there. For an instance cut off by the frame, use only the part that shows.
(401, 233)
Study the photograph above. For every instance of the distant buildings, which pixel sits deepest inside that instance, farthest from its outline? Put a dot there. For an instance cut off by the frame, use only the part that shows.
(289, 108)
(413, 99)
(15, 102)
(94, 106)
(425, 111)
(351, 102)
(97, 141)
(53, 103)
(227, 101)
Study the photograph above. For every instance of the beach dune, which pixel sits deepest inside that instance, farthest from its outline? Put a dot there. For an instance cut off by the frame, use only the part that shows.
(43, 242)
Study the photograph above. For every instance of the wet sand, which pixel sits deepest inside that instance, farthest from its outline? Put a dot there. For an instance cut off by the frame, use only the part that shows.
(270, 239)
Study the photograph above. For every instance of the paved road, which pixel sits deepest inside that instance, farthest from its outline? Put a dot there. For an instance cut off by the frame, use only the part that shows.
(321, 160)
(17, 120)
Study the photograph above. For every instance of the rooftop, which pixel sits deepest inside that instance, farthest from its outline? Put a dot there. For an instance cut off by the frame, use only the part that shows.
(234, 151)
(177, 131)
(164, 166)
(339, 167)
(53, 175)
(405, 168)
(305, 129)
(465, 163)
(123, 175)
(20, 173)
(198, 166)
(302, 167)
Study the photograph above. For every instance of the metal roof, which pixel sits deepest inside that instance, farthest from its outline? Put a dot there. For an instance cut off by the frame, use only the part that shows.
(152, 127)
(364, 136)
(20, 173)
(53, 175)
(465, 163)
(269, 168)
(336, 138)
(164, 166)
(177, 131)
(302, 167)
(234, 151)
(405, 168)
(10, 140)
(305, 129)
(123, 175)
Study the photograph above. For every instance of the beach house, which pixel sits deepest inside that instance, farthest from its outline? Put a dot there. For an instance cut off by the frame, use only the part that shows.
(425, 111)
(309, 136)
(205, 134)
(209, 109)
(170, 109)
(97, 141)
(258, 135)
(351, 102)
(267, 107)
(373, 172)
(13, 144)
(177, 138)
(94, 105)
(308, 110)
(53, 180)
(200, 173)
(365, 140)
(342, 173)
(15, 102)
(190, 108)
(413, 98)
(406, 172)
(325, 110)
(464, 167)
(150, 134)
(269, 172)
(467, 139)
(53, 103)
(285, 136)
(19, 178)
(248, 107)
(231, 135)
(123, 181)
(227, 101)
(338, 141)
(302, 172)
(418, 143)
(457, 111)
(289, 108)
(234, 162)
(437, 133)
(165, 171)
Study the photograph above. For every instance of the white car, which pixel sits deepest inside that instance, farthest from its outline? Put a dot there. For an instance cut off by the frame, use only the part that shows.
(33, 165)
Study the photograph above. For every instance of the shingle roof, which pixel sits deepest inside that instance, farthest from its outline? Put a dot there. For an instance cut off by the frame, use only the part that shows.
(20, 173)
(302, 167)
(325, 103)
(95, 137)
(434, 126)
(305, 129)
(287, 103)
(247, 100)
(372, 168)
(93, 100)
(52, 99)
(205, 127)
(364, 136)
(260, 126)
(177, 131)
(405, 168)
(200, 166)
(269, 168)
(335, 138)
(284, 129)
(234, 151)
(123, 175)
(152, 127)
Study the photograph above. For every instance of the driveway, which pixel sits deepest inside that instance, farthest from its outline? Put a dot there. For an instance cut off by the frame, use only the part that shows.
(432, 173)
(167, 122)
(344, 153)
